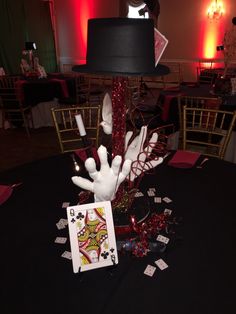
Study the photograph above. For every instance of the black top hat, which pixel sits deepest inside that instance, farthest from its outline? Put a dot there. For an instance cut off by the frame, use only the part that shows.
(121, 46)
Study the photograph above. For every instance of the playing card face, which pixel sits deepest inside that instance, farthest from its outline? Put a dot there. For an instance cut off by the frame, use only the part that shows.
(167, 199)
(149, 270)
(163, 239)
(92, 236)
(160, 45)
(161, 264)
(60, 240)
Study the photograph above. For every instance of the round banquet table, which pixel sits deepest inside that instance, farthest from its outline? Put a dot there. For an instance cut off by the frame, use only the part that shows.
(200, 278)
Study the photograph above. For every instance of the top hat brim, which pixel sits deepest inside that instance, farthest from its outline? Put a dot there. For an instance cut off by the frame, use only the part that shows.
(159, 70)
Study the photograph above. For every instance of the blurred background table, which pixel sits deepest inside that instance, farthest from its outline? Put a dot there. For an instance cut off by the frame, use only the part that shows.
(168, 100)
(44, 94)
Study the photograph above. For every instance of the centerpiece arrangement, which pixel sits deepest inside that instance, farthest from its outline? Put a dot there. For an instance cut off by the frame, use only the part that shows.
(31, 68)
(123, 47)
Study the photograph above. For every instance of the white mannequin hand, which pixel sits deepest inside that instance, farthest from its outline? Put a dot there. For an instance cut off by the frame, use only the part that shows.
(137, 154)
(106, 181)
(106, 124)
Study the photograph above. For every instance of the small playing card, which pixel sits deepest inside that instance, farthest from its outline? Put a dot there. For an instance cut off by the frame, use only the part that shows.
(163, 239)
(60, 240)
(64, 221)
(60, 225)
(167, 199)
(65, 204)
(152, 189)
(138, 194)
(161, 264)
(150, 193)
(150, 270)
(67, 255)
(167, 211)
(157, 199)
(160, 45)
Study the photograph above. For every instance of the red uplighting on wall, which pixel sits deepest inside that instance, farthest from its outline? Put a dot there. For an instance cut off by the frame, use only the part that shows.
(212, 36)
(210, 42)
(83, 10)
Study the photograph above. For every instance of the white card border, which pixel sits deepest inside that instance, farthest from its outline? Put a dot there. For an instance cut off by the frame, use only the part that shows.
(73, 236)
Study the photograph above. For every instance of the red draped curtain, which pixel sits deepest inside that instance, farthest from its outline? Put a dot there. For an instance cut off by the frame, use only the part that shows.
(153, 6)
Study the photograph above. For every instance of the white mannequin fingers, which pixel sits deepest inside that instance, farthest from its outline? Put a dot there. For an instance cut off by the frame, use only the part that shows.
(134, 143)
(142, 137)
(102, 154)
(125, 171)
(83, 183)
(126, 167)
(151, 144)
(90, 165)
(115, 165)
(154, 138)
(127, 138)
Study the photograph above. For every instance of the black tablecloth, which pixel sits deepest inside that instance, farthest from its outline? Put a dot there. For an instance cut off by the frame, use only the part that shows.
(42, 90)
(200, 278)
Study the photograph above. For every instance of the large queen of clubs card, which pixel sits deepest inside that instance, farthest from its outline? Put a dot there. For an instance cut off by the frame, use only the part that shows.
(92, 236)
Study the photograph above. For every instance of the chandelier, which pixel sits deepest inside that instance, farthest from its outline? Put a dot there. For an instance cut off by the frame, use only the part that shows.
(215, 10)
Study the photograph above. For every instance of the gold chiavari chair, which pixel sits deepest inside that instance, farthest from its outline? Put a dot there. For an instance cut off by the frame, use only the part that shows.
(207, 131)
(196, 102)
(67, 130)
(13, 109)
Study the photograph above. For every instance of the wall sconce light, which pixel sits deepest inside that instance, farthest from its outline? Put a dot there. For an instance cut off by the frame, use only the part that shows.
(215, 10)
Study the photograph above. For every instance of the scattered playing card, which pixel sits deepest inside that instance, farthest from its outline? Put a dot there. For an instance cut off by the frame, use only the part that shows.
(150, 270)
(157, 199)
(65, 204)
(161, 264)
(64, 221)
(138, 194)
(167, 199)
(60, 240)
(60, 224)
(163, 239)
(167, 211)
(67, 255)
(150, 193)
(152, 189)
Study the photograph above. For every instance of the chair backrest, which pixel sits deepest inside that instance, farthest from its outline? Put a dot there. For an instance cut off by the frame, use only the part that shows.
(207, 130)
(10, 92)
(8, 81)
(89, 88)
(13, 109)
(196, 102)
(67, 130)
(67, 68)
(173, 79)
(82, 88)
